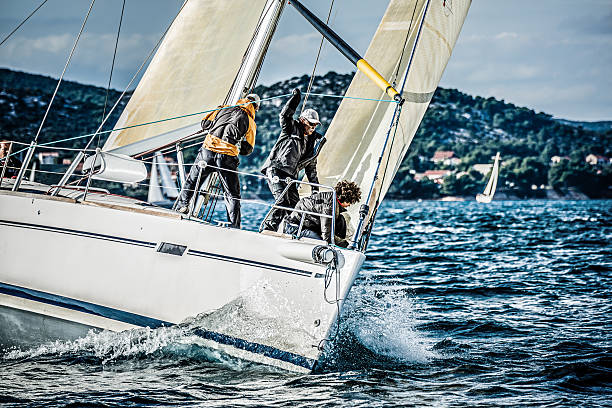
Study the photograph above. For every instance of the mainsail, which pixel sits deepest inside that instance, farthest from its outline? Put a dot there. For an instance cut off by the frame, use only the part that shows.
(193, 70)
(361, 126)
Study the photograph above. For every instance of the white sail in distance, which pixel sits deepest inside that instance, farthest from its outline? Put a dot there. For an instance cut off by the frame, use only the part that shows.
(357, 133)
(489, 190)
(161, 186)
(155, 194)
(192, 71)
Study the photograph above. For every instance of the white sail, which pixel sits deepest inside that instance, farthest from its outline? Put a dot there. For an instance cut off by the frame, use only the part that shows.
(361, 126)
(162, 188)
(489, 190)
(193, 70)
(168, 185)
(155, 194)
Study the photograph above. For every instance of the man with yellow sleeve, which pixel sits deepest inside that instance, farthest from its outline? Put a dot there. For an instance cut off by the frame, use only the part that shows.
(230, 131)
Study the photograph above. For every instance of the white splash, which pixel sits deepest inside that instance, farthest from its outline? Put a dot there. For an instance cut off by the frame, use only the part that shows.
(106, 345)
(385, 324)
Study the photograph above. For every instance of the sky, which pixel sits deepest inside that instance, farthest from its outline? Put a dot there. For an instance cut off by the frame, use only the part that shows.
(553, 56)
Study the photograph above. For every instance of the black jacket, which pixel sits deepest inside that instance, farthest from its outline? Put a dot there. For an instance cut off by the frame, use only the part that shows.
(293, 151)
(231, 125)
(319, 203)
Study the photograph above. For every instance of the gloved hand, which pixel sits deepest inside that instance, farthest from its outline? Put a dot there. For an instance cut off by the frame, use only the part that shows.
(296, 91)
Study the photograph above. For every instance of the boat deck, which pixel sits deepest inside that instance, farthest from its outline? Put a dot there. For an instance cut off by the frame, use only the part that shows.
(103, 198)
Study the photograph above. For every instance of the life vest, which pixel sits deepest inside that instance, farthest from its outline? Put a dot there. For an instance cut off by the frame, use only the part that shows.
(218, 145)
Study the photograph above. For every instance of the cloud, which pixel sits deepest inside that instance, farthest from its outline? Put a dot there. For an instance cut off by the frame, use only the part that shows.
(22, 47)
(92, 58)
(506, 35)
(297, 45)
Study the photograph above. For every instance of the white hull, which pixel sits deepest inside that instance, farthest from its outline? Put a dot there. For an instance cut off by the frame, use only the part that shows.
(482, 198)
(98, 264)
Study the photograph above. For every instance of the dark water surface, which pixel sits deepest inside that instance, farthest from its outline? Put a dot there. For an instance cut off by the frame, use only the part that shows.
(459, 304)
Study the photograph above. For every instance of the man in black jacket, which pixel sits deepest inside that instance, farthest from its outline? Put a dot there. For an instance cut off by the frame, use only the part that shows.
(319, 226)
(229, 131)
(297, 148)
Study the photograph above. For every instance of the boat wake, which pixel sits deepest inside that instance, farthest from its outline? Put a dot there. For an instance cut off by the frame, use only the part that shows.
(377, 330)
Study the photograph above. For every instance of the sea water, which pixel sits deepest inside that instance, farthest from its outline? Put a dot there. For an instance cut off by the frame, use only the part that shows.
(458, 304)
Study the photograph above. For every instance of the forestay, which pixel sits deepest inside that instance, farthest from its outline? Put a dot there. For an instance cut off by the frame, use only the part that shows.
(192, 70)
(357, 133)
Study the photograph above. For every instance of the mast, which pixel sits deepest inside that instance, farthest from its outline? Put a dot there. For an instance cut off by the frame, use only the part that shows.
(254, 57)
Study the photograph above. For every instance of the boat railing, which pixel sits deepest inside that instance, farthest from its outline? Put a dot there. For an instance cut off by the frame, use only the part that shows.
(6, 160)
(203, 204)
(204, 201)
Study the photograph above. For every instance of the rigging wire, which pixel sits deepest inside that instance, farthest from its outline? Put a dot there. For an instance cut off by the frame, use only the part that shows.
(64, 71)
(112, 66)
(23, 22)
(81, 154)
(395, 120)
(135, 76)
(314, 68)
(402, 90)
(405, 43)
(183, 116)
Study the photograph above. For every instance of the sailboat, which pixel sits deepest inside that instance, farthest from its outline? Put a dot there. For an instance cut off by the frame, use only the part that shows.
(489, 191)
(162, 188)
(76, 258)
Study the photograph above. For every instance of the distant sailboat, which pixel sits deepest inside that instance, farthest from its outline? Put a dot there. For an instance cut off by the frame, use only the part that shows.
(489, 191)
(162, 189)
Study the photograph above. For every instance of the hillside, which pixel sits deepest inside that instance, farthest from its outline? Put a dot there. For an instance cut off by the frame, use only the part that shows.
(472, 127)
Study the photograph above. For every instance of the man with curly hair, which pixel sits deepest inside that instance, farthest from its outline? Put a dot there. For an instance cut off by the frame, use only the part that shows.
(319, 226)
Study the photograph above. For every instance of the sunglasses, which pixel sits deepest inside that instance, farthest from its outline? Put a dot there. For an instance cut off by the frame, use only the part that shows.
(309, 124)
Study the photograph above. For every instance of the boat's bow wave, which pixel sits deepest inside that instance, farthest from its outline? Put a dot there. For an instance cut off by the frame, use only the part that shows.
(377, 330)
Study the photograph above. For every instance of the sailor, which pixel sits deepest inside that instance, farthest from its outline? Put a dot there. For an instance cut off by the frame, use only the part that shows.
(229, 131)
(319, 227)
(13, 164)
(297, 148)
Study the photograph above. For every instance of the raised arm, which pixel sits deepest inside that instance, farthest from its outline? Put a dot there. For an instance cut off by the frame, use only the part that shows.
(286, 115)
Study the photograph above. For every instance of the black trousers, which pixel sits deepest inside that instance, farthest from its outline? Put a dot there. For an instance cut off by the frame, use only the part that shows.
(229, 181)
(290, 199)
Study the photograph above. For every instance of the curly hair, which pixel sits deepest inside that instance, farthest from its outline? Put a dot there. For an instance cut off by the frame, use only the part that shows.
(347, 192)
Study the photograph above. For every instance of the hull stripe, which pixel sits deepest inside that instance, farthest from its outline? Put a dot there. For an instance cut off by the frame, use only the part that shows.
(248, 262)
(146, 244)
(143, 321)
(77, 232)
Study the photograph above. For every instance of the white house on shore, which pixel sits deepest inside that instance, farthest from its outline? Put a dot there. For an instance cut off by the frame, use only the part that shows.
(437, 176)
(594, 159)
